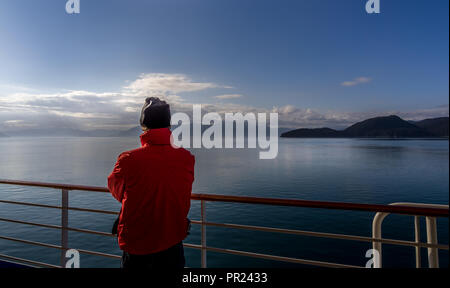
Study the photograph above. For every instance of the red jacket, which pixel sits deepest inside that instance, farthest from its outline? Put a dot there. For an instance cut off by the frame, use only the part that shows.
(154, 184)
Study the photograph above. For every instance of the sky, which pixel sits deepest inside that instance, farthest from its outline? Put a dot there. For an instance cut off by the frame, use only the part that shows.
(316, 63)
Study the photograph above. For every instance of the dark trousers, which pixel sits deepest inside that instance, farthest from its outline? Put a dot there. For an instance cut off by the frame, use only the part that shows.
(172, 258)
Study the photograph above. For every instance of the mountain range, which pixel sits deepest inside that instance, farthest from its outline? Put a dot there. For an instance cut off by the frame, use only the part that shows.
(380, 127)
(132, 132)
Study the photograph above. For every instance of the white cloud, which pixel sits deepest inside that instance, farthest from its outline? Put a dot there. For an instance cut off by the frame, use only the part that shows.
(131, 109)
(228, 96)
(18, 124)
(81, 114)
(356, 81)
(291, 116)
(441, 111)
(159, 84)
(78, 109)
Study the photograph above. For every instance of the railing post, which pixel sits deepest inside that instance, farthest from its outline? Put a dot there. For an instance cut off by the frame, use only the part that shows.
(376, 233)
(203, 253)
(64, 225)
(417, 240)
(433, 258)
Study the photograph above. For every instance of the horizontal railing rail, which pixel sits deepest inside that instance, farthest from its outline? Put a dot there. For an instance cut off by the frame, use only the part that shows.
(408, 210)
(437, 212)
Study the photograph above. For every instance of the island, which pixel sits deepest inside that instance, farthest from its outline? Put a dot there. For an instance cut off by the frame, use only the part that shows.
(380, 127)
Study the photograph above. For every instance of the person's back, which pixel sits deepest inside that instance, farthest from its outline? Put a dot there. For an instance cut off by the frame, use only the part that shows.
(154, 184)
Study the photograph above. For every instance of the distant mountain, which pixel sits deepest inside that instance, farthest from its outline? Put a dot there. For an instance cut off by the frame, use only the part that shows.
(386, 127)
(136, 131)
(436, 126)
(43, 132)
(132, 132)
(379, 127)
(313, 133)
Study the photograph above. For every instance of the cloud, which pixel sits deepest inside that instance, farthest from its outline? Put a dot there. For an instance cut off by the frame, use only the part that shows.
(294, 117)
(18, 124)
(356, 81)
(165, 84)
(228, 96)
(81, 114)
(88, 110)
(80, 109)
(440, 111)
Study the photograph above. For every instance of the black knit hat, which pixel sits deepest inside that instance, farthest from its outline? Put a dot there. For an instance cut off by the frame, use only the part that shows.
(155, 113)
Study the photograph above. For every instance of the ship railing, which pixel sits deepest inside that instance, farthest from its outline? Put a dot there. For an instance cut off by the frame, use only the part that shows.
(431, 212)
(431, 228)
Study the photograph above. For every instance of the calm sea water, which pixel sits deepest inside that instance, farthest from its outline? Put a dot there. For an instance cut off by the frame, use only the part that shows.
(351, 170)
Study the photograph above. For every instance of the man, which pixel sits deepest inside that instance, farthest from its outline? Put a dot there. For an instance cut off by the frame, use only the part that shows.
(154, 184)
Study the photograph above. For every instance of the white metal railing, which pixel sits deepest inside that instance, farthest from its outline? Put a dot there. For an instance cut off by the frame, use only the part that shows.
(433, 258)
(429, 211)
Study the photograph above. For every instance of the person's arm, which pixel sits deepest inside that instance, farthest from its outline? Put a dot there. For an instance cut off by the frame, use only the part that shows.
(116, 180)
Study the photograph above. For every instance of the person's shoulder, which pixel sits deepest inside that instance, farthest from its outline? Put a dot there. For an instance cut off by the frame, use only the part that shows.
(185, 154)
(126, 155)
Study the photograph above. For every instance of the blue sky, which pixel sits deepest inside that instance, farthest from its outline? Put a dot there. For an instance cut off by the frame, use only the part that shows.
(317, 63)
